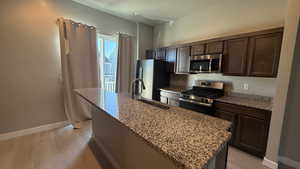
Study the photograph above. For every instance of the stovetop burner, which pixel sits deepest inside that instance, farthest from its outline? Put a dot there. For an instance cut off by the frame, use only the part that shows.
(201, 97)
(204, 93)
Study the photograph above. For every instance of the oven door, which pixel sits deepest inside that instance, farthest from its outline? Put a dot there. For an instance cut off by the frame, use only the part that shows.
(196, 106)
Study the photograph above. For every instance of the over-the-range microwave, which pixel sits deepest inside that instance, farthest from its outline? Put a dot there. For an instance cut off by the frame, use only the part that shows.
(206, 63)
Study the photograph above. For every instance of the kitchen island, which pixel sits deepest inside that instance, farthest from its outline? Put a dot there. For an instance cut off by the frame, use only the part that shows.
(137, 135)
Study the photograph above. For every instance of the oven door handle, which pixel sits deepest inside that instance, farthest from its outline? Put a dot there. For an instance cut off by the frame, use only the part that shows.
(194, 102)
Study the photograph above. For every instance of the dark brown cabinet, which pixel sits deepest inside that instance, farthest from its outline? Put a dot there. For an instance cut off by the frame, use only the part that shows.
(171, 55)
(235, 57)
(160, 53)
(150, 54)
(214, 47)
(251, 54)
(229, 116)
(198, 50)
(255, 55)
(264, 55)
(251, 134)
(183, 60)
(249, 127)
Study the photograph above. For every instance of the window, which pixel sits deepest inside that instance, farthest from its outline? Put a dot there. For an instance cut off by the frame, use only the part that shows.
(107, 53)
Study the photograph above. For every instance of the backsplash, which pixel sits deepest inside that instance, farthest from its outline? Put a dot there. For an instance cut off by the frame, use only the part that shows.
(256, 85)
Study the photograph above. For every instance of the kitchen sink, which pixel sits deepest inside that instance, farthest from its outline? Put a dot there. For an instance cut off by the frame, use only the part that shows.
(152, 103)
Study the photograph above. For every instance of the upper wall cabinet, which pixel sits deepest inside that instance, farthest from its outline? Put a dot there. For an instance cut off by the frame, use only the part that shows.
(251, 54)
(264, 55)
(171, 55)
(160, 54)
(150, 54)
(254, 55)
(198, 50)
(235, 57)
(183, 59)
(214, 47)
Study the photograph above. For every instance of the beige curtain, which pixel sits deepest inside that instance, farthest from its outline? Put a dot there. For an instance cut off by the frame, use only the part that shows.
(79, 67)
(125, 63)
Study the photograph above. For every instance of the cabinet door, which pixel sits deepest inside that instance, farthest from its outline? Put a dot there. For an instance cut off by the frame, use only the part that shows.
(198, 50)
(251, 135)
(171, 54)
(229, 116)
(183, 60)
(235, 57)
(264, 55)
(214, 47)
(150, 54)
(160, 54)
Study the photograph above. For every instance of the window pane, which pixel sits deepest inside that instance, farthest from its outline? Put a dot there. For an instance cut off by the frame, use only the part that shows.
(109, 64)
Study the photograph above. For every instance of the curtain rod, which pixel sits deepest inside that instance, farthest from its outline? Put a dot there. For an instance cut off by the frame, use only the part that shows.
(93, 27)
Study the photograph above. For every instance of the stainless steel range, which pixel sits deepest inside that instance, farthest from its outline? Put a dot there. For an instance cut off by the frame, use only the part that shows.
(201, 97)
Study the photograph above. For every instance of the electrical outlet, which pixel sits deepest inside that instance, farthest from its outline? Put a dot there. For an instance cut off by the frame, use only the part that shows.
(245, 86)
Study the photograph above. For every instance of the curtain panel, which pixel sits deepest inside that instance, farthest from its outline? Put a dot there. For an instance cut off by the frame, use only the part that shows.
(79, 67)
(125, 64)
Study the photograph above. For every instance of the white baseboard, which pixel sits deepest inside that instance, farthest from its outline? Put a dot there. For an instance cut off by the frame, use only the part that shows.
(289, 162)
(270, 164)
(46, 127)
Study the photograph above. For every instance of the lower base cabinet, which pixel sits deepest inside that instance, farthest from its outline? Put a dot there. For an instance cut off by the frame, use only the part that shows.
(249, 127)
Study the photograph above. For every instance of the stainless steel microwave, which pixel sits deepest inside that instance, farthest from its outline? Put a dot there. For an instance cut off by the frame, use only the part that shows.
(206, 63)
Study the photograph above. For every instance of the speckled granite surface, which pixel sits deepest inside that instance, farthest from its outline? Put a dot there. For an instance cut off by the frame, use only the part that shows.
(187, 138)
(254, 101)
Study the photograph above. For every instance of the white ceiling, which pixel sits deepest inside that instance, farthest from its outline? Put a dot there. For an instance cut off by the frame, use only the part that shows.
(147, 11)
(159, 11)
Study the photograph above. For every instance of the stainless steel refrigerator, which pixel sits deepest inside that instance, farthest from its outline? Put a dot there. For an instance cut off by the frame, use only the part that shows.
(155, 76)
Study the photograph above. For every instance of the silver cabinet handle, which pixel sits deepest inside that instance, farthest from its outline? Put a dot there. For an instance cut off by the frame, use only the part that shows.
(194, 102)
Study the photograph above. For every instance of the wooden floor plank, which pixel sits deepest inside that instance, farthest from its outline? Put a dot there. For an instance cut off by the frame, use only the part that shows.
(67, 148)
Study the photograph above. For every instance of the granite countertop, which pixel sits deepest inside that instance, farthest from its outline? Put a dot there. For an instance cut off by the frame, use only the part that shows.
(253, 101)
(187, 138)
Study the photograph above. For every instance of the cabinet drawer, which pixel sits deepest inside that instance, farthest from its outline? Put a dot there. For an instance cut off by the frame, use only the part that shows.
(257, 113)
(229, 116)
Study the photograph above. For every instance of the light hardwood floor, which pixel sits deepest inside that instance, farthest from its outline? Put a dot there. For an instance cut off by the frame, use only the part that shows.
(66, 148)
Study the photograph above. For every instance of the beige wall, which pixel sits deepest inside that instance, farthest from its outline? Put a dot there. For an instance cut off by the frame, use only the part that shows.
(223, 18)
(280, 104)
(226, 18)
(290, 138)
(257, 86)
(30, 67)
(145, 39)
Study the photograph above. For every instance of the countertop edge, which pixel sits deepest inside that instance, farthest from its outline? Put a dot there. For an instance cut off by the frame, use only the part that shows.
(177, 163)
(166, 155)
(239, 104)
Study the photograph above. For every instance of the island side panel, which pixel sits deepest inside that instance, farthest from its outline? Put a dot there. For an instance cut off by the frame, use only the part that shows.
(126, 150)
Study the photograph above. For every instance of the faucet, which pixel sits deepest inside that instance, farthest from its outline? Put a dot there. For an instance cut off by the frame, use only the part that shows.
(133, 83)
